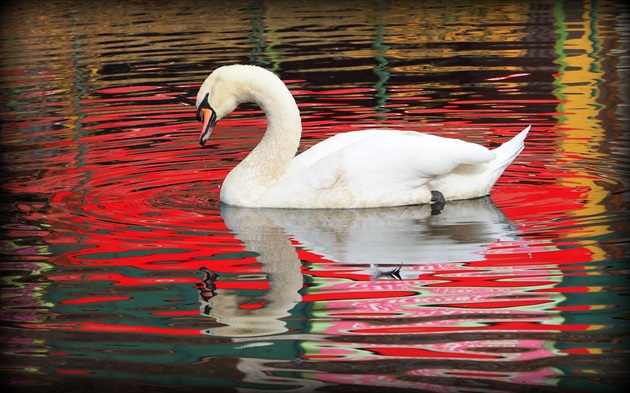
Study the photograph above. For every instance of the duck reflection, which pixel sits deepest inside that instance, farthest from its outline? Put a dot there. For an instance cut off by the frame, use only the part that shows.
(395, 236)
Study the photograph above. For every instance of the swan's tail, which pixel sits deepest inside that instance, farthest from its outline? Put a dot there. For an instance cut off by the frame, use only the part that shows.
(468, 182)
(507, 152)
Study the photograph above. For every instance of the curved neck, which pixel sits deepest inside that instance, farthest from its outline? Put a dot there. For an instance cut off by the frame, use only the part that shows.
(268, 161)
(284, 125)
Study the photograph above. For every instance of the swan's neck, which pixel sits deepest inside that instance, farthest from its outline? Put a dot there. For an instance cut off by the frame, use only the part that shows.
(282, 137)
(268, 161)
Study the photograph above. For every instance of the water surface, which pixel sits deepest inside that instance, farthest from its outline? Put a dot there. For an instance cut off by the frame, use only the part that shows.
(110, 209)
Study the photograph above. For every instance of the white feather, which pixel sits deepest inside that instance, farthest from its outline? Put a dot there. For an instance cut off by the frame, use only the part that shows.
(369, 168)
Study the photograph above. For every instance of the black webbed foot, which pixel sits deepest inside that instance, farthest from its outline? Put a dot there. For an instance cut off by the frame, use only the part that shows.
(437, 202)
(392, 273)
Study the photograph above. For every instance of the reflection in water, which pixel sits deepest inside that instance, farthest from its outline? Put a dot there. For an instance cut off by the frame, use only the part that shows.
(396, 235)
(406, 235)
(207, 289)
(388, 273)
(109, 210)
(281, 266)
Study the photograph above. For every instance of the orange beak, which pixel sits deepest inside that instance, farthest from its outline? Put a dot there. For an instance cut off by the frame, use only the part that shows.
(208, 122)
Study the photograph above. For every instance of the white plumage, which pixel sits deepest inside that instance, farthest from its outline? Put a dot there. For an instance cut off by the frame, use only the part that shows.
(370, 168)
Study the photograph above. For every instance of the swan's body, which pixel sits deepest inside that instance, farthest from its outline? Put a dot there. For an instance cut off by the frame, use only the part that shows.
(371, 168)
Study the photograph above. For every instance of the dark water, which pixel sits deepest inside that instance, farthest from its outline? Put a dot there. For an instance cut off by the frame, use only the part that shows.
(110, 209)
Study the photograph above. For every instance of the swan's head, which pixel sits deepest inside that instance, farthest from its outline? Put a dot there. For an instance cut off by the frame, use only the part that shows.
(219, 95)
(230, 85)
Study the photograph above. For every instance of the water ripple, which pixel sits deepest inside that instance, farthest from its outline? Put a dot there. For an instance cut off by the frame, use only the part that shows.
(110, 208)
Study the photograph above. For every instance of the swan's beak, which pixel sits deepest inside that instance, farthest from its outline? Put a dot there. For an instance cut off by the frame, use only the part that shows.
(209, 120)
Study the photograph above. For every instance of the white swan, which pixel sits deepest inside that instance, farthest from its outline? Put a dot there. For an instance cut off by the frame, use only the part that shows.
(370, 168)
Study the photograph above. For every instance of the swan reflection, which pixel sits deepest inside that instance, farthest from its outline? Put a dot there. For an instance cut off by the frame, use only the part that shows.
(396, 236)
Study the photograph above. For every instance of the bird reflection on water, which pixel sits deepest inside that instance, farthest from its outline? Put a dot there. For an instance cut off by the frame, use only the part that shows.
(397, 237)
(207, 289)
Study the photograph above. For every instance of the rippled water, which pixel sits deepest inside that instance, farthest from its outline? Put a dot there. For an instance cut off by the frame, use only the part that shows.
(110, 209)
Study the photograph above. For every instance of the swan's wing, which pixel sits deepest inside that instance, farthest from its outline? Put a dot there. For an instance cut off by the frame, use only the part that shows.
(371, 168)
(402, 154)
(328, 147)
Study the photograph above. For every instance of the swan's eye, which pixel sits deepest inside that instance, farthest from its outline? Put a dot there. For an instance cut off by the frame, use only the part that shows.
(204, 104)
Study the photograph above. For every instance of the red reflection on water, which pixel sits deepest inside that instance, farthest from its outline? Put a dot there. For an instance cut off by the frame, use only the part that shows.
(148, 205)
(426, 353)
(343, 294)
(71, 372)
(121, 280)
(95, 299)
(511, 76)
(494, 326)
(144, 202)
(112, 328)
